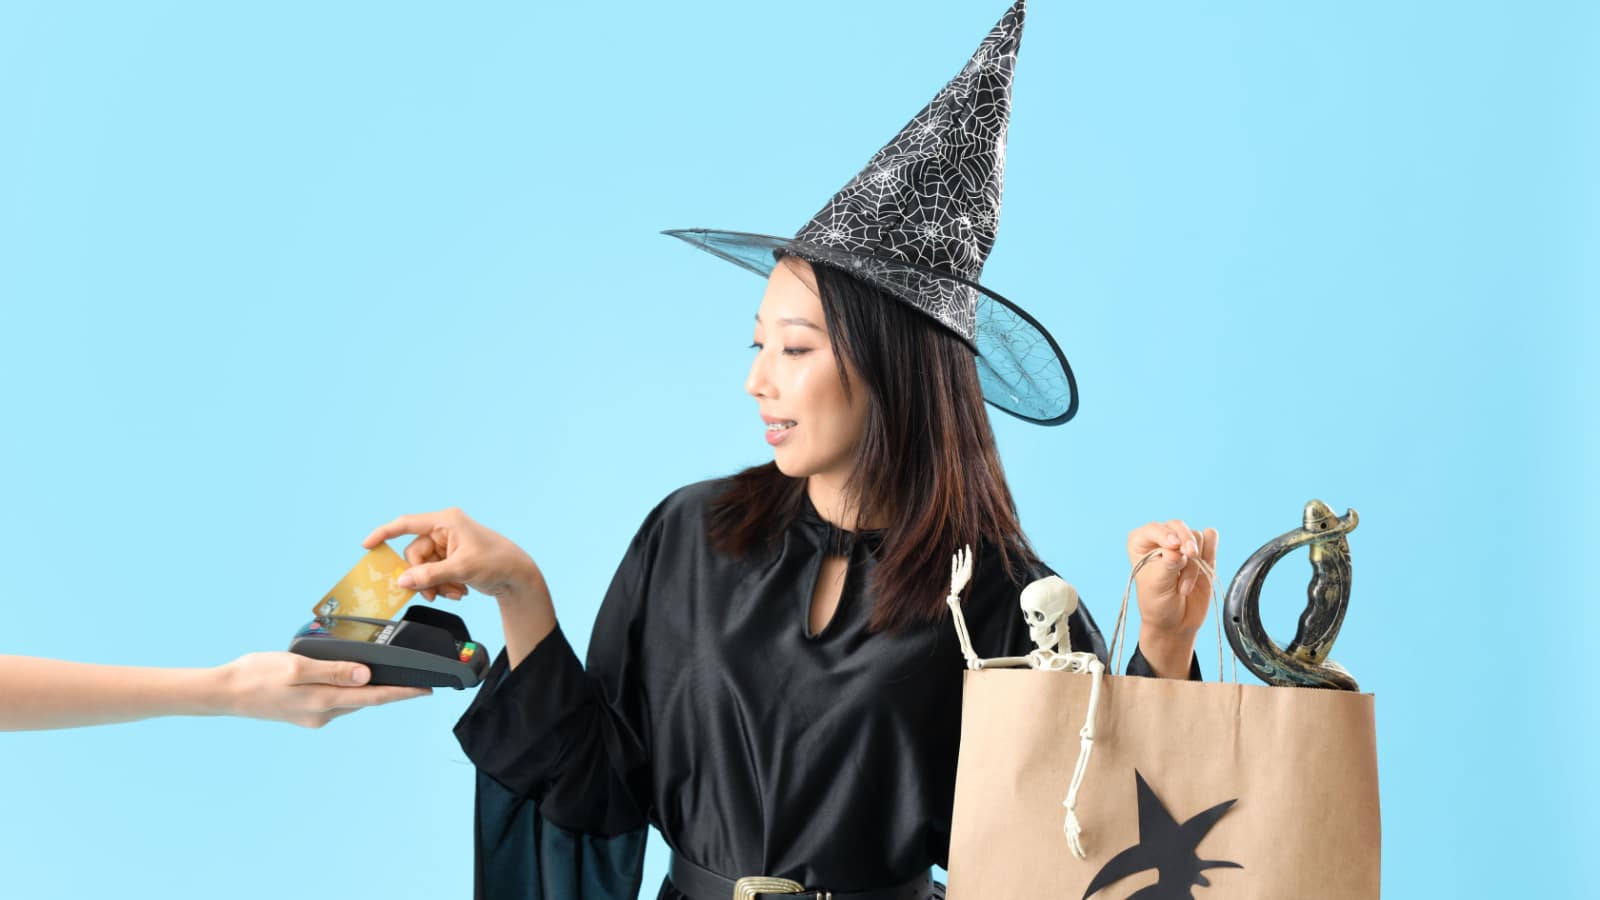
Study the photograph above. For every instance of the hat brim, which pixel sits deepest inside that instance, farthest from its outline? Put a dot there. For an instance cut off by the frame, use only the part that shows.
(1020, 367)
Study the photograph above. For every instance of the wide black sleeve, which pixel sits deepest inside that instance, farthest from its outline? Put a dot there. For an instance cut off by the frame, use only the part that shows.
(575, 740)
(518, 855)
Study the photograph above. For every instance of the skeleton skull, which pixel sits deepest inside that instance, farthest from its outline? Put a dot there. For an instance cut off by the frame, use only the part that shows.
(1045, 603)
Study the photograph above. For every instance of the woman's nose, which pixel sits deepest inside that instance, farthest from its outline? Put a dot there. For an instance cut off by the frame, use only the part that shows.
(757, 384)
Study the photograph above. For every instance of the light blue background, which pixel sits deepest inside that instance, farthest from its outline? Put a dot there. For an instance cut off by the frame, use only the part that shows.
(273, 274)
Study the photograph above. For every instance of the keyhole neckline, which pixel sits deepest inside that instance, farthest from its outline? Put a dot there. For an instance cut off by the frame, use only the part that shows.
(834, 540)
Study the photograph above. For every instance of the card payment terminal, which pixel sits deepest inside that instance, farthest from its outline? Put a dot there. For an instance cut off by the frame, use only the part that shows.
(426, 647)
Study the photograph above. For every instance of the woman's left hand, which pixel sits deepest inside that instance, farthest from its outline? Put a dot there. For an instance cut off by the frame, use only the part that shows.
(1173, 590)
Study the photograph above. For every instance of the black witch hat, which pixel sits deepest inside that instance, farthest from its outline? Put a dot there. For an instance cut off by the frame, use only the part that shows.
(918, 222)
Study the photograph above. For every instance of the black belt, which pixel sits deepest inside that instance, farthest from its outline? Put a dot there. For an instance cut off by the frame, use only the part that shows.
(698, 883)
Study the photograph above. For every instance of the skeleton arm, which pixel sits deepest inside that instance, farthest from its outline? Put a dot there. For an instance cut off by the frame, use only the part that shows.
(960, 575)
(1046, 606)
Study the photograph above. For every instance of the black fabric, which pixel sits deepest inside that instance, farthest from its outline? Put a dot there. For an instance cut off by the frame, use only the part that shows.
(520, 856)
(703, 884)
(708, 710)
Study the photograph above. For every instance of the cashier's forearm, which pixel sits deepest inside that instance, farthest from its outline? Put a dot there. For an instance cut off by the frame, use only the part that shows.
(50, 693)
(527, 615)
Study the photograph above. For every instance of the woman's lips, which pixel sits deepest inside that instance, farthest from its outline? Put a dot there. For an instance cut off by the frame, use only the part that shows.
(776, 432)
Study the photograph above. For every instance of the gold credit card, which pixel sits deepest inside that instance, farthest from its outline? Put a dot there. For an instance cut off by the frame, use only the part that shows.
(369, 589)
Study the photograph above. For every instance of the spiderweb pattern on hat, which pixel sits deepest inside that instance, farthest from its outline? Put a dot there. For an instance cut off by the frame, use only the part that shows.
(919, 221)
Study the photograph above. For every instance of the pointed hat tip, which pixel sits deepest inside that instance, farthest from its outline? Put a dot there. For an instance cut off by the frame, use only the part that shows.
(1011, 22)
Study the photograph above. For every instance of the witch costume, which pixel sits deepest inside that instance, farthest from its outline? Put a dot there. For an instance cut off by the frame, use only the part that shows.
(707, 707)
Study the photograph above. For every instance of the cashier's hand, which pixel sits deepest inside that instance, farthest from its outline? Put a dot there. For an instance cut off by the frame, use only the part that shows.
(1173, 591)
(453, 553)
(292, 688)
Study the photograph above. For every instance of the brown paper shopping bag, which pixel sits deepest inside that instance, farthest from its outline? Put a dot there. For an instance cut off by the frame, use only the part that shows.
(1188, 790)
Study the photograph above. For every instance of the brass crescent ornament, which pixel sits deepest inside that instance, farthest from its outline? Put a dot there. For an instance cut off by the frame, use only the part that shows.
(1305, 663)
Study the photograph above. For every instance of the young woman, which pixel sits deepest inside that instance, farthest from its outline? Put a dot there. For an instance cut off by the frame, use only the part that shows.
(772, 681)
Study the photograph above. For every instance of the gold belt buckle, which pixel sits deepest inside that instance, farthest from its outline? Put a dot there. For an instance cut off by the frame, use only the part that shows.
(749, 886)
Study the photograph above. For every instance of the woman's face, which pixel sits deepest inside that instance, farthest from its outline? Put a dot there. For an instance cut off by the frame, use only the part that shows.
(812, 427)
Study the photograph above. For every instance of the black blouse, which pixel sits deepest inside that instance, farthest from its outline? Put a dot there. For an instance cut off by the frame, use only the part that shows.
(709, 710)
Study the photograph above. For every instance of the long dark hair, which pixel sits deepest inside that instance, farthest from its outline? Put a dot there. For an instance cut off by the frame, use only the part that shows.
(926, 465)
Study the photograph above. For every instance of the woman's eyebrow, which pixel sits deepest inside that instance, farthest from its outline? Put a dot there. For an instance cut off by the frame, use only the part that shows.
(793, 321)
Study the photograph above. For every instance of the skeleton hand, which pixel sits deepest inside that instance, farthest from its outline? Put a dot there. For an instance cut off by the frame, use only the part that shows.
(960, 570)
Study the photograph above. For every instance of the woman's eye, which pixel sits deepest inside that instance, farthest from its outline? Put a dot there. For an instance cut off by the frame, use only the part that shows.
(787, 351)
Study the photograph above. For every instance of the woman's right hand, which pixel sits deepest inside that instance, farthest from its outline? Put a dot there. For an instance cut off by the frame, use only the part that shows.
(453, 553)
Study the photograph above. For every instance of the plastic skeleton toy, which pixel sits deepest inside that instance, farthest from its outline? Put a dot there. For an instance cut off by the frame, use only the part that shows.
(1046, 606)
